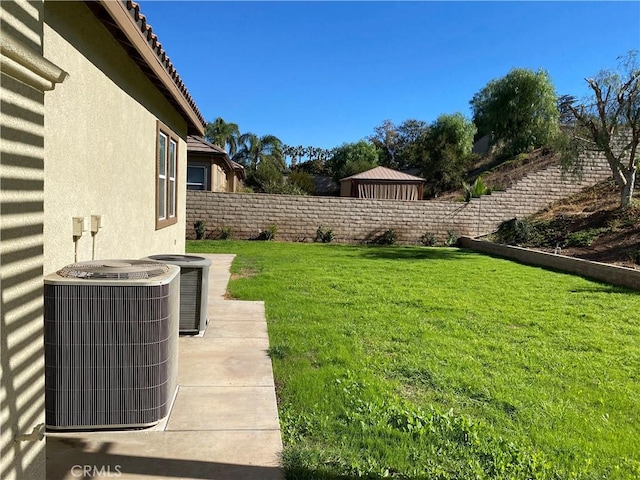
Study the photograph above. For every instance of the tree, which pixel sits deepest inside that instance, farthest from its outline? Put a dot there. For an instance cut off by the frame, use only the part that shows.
(395, 143)
(386, 139)
(254, 150)
(268, 178)
(303, 181)
(352, 158)
(518, 110)
(444, 152)
(609, 122)
(223, 134)
(565, 116)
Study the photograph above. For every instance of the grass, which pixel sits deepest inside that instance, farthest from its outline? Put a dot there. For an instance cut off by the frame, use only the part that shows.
(421, 363)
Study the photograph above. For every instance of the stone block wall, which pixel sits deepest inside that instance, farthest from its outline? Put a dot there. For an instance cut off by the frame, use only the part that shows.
(612, 274)
(361, 220)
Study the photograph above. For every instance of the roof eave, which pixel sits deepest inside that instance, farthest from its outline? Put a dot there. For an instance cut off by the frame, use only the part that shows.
(213, 152)
(138, 37)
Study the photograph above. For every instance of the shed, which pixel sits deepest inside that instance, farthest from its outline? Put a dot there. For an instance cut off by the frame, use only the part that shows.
(383, 183)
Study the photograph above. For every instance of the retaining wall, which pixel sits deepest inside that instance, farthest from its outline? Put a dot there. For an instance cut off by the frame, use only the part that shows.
(612, 274)
(361, 220)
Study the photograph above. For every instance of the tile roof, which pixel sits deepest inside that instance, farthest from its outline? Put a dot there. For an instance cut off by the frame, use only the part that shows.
(129, 27)
(384, 174)
(199, 144)
(156, 46)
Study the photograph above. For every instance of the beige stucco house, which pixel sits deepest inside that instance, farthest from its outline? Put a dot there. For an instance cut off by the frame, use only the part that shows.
(210, 168)
(94, 128)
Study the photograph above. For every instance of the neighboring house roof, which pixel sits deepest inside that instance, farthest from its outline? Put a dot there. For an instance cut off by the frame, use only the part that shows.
(198, 145)
(239, 170)
(384, 174)
(130, 28)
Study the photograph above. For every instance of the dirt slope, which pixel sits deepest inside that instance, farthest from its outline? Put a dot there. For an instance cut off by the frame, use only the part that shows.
(592, 217)
(595, 212)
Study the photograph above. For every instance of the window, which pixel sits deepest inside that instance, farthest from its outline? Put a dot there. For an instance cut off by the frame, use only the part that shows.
(196, 177)
(166, 168)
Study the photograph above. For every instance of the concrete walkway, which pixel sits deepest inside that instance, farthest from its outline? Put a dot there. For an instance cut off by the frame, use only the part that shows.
(224, 422)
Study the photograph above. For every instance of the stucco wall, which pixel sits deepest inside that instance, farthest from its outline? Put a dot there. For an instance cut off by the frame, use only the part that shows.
(360, 220)
(100, 135)
(21, 255)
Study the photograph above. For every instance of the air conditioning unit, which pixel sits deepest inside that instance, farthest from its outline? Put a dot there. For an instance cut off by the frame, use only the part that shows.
(111, 344)
(194, 288)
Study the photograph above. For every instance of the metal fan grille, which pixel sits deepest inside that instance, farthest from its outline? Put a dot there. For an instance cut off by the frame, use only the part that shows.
(177, 258)
(117, 269)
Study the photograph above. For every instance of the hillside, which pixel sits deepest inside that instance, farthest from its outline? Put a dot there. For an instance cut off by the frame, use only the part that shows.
(588, 225)
(591, 226)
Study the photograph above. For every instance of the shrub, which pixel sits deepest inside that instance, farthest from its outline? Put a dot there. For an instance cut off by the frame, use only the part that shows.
(268, 234)
(635, 257)
(428, 239)
(201, 227)
(303, 181)
(226, 233)
(475, 190)
(388, 237)
(282, 188)
(324, 235)
(452, 238)
(551, 233)
(514, 232)
(583, 238)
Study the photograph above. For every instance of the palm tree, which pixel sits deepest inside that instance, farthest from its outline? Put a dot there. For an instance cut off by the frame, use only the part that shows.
(253, 150)
(311, 152)
(223, 134)
(300, 152)
(289, 151)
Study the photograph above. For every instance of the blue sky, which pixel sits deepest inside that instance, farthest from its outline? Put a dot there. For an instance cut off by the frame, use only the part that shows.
(325, 73)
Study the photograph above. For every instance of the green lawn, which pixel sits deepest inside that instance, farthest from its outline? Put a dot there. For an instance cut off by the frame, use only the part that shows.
(437, 363)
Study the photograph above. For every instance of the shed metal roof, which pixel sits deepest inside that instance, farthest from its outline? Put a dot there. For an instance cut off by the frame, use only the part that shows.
(386, 174)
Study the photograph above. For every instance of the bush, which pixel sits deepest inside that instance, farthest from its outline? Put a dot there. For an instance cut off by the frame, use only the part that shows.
(583, 238)
(428, 239)
(268, 234)
(514, 232)
(475, 190)
(635, 257)
(324, 235)
(201, 227)
(303, 181)
(388, 237)
(226, 233)
(282, 188)
(551, 233)
(452, 238)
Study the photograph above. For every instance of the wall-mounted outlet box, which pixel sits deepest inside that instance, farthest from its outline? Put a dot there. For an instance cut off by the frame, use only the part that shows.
(78, 226)
(97, 222)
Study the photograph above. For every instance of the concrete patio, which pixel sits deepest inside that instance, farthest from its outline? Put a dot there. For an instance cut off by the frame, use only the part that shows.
(224, 422)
